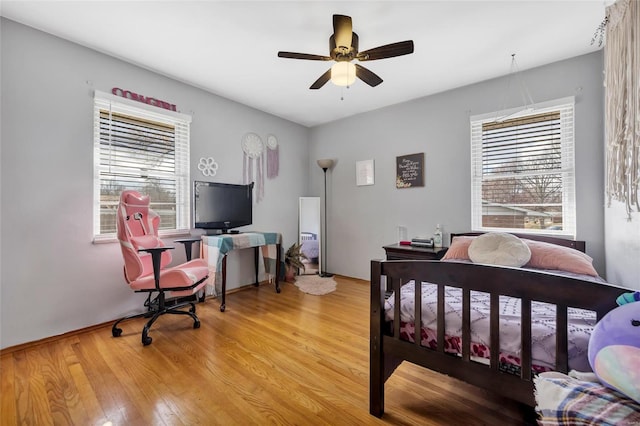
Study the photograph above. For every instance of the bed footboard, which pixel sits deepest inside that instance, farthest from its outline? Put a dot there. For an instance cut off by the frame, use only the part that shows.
(388, 350)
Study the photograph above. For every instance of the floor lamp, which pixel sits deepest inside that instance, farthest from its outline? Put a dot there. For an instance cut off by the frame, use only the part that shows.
(325, 165)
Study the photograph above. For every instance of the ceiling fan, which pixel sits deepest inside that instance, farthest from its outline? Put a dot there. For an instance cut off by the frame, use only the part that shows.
(343, 48)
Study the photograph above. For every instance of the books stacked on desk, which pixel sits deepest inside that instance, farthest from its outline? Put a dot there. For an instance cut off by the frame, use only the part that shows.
(422, 242)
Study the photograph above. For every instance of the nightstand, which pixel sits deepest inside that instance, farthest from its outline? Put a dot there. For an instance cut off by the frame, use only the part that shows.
(400, 252)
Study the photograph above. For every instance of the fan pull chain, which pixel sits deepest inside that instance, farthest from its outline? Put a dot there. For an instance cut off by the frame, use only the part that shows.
(342, 88)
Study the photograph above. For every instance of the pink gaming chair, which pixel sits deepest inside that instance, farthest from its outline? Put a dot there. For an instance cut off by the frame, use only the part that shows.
(145, 265)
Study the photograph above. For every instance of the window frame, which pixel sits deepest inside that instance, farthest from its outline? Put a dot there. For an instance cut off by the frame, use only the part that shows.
(181, 123)
(566, 107)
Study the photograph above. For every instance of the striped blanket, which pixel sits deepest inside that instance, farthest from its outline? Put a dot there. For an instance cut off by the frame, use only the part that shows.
(214, 248)
(580, 399)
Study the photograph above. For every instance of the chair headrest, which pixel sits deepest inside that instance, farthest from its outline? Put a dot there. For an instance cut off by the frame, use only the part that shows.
(134, 202)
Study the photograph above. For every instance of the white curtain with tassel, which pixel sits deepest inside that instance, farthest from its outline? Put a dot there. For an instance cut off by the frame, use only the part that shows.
(622, 103)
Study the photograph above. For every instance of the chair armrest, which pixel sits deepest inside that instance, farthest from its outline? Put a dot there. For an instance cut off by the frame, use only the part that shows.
(156, 256)
(188, 242)
(153, 250)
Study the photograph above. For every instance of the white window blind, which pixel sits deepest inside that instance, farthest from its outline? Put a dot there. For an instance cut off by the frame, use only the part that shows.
(523, 173)
(144, 149)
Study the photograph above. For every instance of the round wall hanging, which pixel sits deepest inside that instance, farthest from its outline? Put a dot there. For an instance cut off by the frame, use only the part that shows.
(252, 145)
(272, 142)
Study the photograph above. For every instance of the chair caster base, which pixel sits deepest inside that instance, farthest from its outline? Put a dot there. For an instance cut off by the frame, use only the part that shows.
(154, 315)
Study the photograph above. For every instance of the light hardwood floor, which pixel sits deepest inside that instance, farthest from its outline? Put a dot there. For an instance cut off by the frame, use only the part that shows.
(288, 358)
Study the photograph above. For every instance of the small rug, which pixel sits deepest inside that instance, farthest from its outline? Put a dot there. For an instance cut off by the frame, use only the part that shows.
(313, 284)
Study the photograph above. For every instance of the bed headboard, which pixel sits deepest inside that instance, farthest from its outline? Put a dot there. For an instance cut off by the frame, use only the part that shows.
(306, 236)
(574, 244)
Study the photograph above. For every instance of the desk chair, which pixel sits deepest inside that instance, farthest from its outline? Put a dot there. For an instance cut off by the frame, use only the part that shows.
(145, 266)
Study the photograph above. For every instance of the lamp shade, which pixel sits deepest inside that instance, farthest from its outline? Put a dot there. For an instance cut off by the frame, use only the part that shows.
(343, 73)
(326, 163)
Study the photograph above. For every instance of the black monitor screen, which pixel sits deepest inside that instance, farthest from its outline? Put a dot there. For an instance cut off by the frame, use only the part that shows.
(222, 206)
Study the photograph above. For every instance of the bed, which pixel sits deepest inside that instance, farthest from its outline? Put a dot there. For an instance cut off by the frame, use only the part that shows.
(309, 246)
(490, 302)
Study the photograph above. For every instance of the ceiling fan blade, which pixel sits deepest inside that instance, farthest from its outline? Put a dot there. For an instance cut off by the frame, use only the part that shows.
(342, 30)
(387, 51)
(367, 76)
(294, 55)
(322, 80)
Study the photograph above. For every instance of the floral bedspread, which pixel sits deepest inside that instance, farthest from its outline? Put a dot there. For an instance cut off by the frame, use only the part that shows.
(311, 249)
(580, 326)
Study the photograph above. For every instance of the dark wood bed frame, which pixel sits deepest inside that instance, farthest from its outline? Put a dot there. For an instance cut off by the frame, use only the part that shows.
(387, 350)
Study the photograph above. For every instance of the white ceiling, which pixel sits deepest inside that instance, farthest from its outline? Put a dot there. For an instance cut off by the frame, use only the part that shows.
(229, 48)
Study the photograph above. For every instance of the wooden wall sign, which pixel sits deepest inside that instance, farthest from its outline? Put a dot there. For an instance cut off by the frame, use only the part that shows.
(410, 170)
(141, 98)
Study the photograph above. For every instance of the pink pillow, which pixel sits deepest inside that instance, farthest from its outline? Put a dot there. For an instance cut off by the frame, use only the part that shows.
(459, 249)
(145, 242)
(550, 256)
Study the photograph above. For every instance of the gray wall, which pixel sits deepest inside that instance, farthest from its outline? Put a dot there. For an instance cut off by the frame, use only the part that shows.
(622, 245)
(53, 279)
(361, 219)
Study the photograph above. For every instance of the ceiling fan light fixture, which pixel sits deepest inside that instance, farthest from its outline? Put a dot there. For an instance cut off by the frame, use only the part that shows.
(343, 73)
(343, 48)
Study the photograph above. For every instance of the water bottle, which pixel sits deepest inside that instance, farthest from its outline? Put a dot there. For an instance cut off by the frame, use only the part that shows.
(437, 237)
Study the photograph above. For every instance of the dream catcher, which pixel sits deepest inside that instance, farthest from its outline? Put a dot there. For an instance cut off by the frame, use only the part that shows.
(272, 157)
(252, 164)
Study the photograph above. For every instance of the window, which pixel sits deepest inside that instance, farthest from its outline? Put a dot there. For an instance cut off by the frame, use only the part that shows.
(141, 148)
(522, 170)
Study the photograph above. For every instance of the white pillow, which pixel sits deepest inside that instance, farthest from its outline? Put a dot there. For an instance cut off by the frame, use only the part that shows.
(498, 248)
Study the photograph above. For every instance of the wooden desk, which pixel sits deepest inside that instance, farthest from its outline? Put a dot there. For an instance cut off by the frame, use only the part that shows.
(399, 252)
(214, 249)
